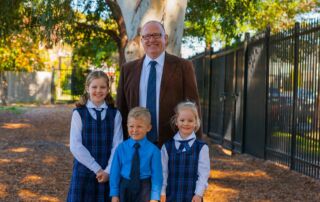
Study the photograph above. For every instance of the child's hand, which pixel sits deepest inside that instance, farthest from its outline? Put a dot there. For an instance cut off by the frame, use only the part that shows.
(102, 176)
(163, 198)
(196, 198)
(153, 201)
(115, 199)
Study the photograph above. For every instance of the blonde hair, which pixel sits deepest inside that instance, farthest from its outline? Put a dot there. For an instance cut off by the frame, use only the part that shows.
(140, 113)
(189, 106)
(85, 96)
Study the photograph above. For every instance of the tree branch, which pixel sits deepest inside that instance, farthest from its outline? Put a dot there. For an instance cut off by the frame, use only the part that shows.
(112, 33)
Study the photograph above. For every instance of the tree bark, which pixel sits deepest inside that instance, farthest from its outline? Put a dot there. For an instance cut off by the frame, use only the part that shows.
(122, 42)
(137, 12)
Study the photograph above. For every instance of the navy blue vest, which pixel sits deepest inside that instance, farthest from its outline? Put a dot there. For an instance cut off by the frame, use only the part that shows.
(183, 171)
(84, 185)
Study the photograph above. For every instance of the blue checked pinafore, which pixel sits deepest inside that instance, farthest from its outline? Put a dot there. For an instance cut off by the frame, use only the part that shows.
(84, 186)
(183, 171)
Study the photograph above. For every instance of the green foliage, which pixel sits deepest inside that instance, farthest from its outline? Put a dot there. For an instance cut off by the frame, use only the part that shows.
(227, 20)
(222, 20)
(27, 24)
(93, 49)
(22, 53)
(10, 17)
(12, 109)
(279, 14)
(78, 79)
(25, 27)
(306, 144)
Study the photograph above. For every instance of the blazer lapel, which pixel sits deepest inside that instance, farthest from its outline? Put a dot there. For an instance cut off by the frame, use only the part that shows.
(136, 77)
(169, 69)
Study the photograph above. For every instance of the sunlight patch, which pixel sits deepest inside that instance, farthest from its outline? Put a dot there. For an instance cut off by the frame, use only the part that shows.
(31, 196)
(5, 161)
(49, 160)
(19, 149)
(27, 195)
(32, 179)
(3, 191)
(15, 125)
(49, 199)
(240, 174)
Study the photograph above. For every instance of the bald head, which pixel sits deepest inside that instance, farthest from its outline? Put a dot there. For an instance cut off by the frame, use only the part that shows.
(154, 22)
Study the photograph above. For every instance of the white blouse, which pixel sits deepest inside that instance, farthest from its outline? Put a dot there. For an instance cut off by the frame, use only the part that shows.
(77, 148)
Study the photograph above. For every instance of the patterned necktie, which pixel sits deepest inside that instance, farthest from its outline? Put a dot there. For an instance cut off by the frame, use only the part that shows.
(135, 169)
(184, 144)
(98, 113)
(152, 102)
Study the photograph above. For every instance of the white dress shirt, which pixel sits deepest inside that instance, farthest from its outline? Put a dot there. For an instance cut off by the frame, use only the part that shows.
(144, 81)
(203, 164)
(79, 151)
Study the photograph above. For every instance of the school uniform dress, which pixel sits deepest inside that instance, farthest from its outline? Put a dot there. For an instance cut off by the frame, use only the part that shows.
(186, 168)
(150, 172)
(93, 147)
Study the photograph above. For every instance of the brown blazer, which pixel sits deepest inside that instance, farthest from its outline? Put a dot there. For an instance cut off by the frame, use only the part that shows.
(178, 84)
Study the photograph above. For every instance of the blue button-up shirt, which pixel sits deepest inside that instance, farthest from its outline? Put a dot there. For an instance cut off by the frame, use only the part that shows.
(150, 166)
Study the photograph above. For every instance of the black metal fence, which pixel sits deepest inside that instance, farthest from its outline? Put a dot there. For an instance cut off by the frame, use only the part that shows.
(263, 98)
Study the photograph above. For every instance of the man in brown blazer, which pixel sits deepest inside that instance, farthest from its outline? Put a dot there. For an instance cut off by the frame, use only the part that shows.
(175, 82)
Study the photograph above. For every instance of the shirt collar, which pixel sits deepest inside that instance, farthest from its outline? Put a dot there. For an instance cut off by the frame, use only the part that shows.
(178, 137)
(159, 60)
(141, 142)
(91, 105)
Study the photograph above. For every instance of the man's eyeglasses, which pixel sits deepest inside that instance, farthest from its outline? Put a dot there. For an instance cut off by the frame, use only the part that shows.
(154, 36)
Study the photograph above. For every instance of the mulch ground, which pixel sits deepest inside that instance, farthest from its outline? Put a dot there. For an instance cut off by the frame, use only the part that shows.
(35, 164)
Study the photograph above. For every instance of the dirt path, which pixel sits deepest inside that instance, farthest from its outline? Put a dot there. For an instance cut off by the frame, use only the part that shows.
(35, 165)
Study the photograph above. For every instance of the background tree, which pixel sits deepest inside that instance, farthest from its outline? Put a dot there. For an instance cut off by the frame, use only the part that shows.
(218, 20)
(109, 23)
(227, 21)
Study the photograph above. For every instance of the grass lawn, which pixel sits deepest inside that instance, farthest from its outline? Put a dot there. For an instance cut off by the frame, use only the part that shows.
(13, 109)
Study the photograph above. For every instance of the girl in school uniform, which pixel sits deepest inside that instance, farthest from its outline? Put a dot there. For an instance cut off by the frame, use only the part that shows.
(185, 159)
(95, 133)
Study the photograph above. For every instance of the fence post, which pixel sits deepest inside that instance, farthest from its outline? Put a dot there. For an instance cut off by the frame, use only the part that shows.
(245, 88)
(267, 38)
(295, 90)
(207, 69)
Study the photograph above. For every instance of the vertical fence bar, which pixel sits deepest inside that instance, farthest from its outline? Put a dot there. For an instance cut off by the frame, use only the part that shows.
(317, 101)
(267, 37)
(294, 117)
(209, 74)
(245, 87)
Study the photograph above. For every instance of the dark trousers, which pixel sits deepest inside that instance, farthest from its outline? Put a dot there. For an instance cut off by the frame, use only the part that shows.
(128, 193)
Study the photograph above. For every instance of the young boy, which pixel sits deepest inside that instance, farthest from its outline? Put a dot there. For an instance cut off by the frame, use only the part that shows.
(136, 172)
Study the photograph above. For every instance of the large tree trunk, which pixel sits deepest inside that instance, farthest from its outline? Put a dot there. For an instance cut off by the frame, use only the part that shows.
(121, 38)
(137, 12)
